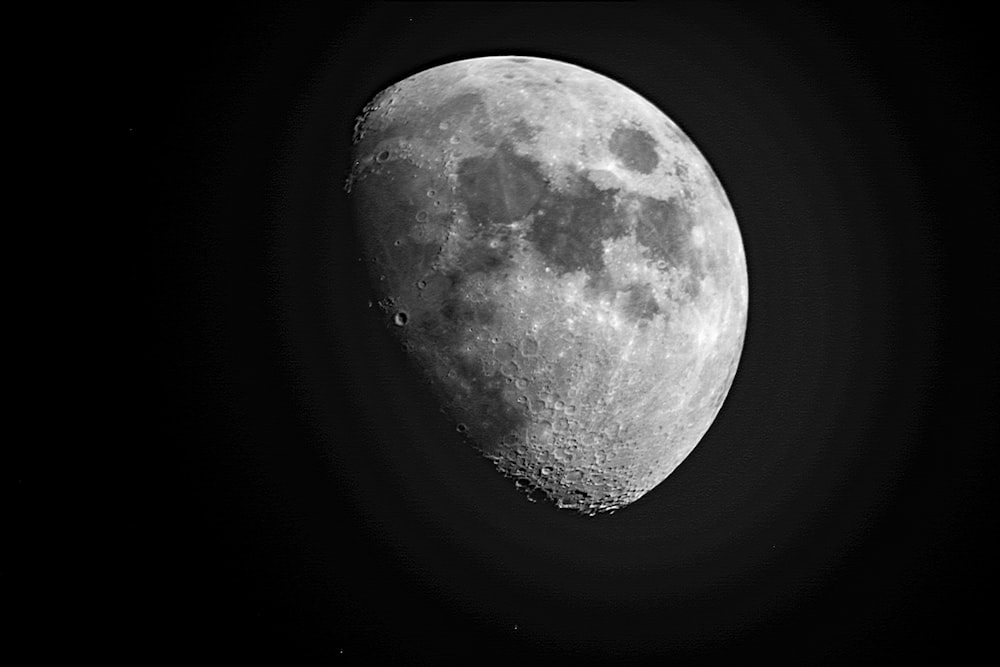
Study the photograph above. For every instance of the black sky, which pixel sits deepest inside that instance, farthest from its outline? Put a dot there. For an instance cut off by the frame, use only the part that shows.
(314, 504)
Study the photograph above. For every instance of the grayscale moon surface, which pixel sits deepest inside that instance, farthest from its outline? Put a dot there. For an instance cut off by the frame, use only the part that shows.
(562, 266)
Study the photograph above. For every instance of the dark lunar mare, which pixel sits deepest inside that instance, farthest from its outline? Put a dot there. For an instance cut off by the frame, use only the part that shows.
(570, 225)
(641, 303)
(392, 198)
(635, 149)
(567, 227)
(499, 188)
(664, 228)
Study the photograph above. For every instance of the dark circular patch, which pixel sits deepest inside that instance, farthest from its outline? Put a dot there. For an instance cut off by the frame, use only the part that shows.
(635, 149)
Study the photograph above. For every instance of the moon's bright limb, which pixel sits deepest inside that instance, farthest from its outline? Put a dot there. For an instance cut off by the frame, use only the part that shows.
(562, 264)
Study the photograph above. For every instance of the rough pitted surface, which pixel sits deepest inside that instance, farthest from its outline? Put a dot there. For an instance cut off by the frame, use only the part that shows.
(562, 265)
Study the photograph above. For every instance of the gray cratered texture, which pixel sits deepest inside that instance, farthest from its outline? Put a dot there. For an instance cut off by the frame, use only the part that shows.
(562, 265)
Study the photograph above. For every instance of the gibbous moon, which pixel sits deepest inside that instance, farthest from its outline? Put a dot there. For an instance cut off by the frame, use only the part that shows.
(562, 266)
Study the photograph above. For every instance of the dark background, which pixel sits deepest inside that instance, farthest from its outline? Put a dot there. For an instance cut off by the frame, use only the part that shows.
(314, 503)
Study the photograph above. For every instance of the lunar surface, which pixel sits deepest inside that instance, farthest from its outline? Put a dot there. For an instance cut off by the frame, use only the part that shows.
(562, 266)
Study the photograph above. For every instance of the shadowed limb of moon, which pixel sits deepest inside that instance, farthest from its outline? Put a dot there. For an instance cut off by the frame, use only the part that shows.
(562, 265)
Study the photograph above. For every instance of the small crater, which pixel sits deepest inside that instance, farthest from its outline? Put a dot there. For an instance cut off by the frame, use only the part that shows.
(461, 428)
(537, 495)
(382, 157)
(400, 318)
(422, 216)
(543, 433)
(529, 347)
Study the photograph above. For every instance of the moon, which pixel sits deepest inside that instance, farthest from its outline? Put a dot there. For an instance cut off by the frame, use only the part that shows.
(562, 266)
